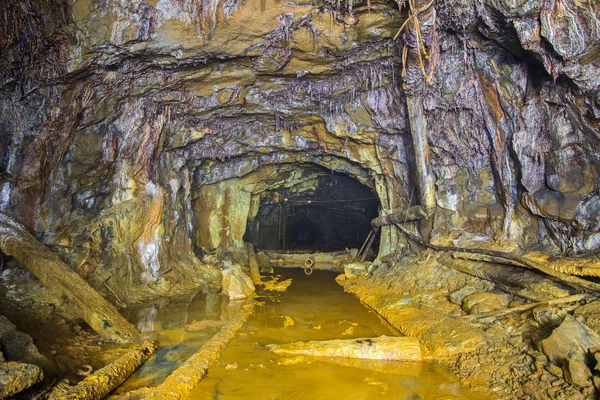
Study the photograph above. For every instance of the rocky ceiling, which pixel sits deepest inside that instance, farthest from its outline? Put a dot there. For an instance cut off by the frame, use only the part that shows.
(129, 128)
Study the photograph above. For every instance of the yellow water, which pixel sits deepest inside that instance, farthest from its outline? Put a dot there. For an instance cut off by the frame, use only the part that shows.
(314, 307)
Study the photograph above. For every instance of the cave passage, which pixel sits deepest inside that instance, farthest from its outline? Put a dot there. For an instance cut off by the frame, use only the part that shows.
(333, 214)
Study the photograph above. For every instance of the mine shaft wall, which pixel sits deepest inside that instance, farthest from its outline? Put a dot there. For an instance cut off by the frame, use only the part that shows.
(122, 145)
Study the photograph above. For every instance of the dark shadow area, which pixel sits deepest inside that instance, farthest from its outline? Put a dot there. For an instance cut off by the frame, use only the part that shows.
(333, 214)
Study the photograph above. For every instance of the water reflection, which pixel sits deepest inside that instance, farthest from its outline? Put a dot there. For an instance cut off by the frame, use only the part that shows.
(313, 308)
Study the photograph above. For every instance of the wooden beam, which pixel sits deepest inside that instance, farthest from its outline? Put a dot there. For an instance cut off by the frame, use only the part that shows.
(516, 280)
(101, 315)
(253, 265)
(97, 385)
(401, 348)
(530, 306)
(509, 259)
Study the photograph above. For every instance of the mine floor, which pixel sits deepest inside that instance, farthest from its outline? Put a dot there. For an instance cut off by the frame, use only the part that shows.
(314, 307)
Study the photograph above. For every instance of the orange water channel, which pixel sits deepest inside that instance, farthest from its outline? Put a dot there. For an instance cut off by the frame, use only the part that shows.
(314, 307)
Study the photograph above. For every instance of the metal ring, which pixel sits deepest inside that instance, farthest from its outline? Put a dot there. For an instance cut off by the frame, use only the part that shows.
(308, 270)
(309, 262)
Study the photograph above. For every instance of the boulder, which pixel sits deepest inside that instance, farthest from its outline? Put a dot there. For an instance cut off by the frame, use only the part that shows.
(236, 284)
(568, 347)
(589, 314)
(483, 302)
(18, 346)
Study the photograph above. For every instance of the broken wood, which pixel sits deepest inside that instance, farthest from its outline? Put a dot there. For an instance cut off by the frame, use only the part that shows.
(354, 259)
(401, 348)
(531, 306)
(509, 259)
(103, 381)
(16, 377)
(515, 280)
(184, 379)
(101, 315)
(253, 264)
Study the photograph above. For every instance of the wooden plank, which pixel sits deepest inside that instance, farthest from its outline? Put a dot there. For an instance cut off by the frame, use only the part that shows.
(401, 348)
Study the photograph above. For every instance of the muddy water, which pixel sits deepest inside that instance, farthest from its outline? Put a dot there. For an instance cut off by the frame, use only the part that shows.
(313, 308)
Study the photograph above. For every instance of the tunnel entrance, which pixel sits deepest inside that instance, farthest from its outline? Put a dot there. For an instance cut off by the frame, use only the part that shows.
(328, 212)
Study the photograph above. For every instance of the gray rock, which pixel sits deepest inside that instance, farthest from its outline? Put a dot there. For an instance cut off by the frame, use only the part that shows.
(568, 346)
(354, 270)
(458, 296)
(548, 317)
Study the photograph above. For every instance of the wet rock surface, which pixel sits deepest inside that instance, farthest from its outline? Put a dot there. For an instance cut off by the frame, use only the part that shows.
(18, 346)
(482, 302)
(568, 346)
(509, 360)
(236, 284)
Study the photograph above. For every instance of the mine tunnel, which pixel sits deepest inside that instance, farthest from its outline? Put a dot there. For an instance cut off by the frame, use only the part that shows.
(261, 199)
(332, 215)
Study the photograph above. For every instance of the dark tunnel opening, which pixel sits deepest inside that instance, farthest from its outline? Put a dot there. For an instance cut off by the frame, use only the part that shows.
(332, 214)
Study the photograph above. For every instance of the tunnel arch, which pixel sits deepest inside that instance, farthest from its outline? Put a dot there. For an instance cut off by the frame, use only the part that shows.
(328, 212)
(222, 203)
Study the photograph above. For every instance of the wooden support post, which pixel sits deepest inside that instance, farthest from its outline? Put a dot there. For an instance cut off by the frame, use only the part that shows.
(418, 130)
(425, 182)
(369, 245)
(101, 315)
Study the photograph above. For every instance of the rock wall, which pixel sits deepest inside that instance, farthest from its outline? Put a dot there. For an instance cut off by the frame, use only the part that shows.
(125, 127)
